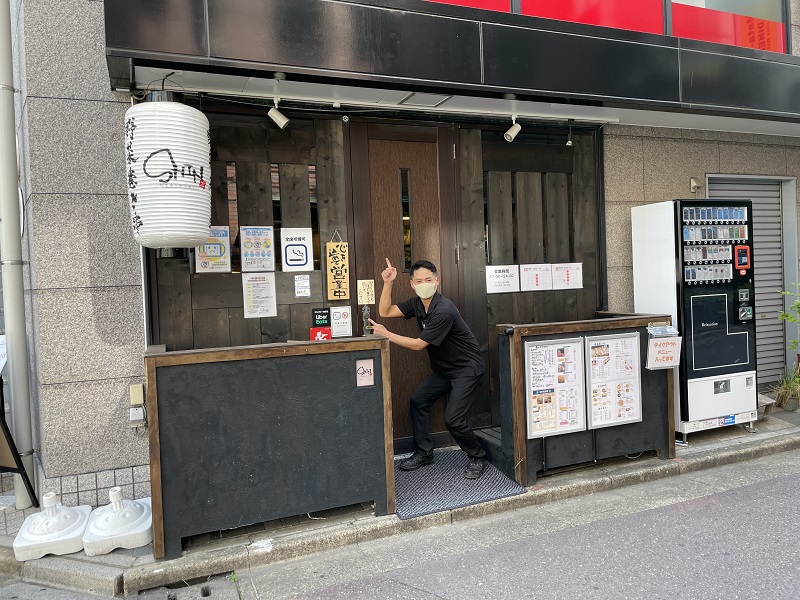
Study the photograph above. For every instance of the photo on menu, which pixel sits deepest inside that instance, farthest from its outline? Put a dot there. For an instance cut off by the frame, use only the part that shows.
(600, 353)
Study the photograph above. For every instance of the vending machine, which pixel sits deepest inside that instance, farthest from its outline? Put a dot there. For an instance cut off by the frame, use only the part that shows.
(693, 260)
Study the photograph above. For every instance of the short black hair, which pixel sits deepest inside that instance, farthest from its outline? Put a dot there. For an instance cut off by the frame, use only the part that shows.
(423, 264)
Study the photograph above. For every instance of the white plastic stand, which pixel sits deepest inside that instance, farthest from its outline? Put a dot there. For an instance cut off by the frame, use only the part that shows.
(57, 529)
(121, 524)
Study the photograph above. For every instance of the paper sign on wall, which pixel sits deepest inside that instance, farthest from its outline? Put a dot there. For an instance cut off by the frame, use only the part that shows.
(502, 278)
(337, 256)
(258, 248)
(365, 372)
(535, 278)
(341, 321)
(297, 249)
(568, 276)
(214, 256)
(260, 299)
(302, 286)
(366, 291)
(664, 352)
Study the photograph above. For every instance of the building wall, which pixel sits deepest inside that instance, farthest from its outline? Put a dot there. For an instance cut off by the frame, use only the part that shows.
(649, 164)
(83, 282)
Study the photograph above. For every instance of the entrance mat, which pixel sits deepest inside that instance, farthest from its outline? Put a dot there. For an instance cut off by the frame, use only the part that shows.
(441, 486)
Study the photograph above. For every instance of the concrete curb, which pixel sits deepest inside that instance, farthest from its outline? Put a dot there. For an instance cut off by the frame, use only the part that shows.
(81, 574)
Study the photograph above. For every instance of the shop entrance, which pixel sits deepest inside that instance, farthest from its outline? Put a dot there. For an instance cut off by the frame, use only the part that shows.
(398, 209)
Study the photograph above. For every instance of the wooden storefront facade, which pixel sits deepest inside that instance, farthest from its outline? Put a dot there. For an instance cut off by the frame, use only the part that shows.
(456, 194)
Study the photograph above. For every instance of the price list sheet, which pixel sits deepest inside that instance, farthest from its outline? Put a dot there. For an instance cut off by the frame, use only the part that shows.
(612, 367)
(555, 399)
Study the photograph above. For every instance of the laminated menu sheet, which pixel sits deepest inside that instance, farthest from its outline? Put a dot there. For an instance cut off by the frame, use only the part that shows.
(555, 400)
(613, 379)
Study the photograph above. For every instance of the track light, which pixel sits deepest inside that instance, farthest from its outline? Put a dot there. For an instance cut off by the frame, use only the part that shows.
(569, 137)
(277, 116)
(513, 130)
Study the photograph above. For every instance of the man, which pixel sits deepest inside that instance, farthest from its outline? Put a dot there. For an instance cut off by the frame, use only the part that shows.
(455, 359)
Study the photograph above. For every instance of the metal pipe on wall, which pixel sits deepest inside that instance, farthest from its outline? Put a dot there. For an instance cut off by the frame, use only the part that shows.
(11, 263)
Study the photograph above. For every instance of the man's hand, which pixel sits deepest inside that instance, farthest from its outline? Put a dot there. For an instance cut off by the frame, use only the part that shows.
(378, 328)
(389, 273)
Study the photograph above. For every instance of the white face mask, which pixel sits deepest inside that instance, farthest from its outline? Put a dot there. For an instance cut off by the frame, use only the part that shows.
(425, 290)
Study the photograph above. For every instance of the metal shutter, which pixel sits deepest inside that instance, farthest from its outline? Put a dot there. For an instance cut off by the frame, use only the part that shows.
(768, 267)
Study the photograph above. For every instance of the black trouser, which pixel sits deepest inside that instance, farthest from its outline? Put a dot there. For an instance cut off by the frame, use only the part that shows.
(462, 394)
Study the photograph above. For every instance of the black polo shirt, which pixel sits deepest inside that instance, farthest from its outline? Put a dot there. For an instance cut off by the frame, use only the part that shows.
(452, 347)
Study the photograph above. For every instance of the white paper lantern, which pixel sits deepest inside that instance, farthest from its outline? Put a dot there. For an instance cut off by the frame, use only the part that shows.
(168, 169)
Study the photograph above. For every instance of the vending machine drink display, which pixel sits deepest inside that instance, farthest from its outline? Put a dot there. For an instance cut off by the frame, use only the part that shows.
(693, 260)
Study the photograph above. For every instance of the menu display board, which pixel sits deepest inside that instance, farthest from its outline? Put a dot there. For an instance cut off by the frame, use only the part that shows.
(555, 400)
(613, 379)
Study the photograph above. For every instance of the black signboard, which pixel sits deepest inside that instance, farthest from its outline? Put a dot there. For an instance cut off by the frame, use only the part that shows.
(321, 317)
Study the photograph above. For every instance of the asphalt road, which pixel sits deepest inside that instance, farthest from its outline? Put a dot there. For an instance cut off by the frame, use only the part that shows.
(731, 532)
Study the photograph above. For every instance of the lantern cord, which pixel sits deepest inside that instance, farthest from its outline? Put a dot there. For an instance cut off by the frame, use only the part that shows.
(167, 76)
(336, 234)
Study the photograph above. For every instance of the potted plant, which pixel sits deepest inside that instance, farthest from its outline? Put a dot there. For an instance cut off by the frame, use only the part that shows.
(787, 389)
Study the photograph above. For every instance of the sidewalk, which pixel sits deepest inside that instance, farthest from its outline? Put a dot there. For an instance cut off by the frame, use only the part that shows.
(131, 571)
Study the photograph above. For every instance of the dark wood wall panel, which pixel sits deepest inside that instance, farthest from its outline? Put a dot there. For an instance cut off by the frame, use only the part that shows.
(277, 329)
(254, 193)
(526, 158)
(239, 139)
(559, 243)
(211, 328)
(216, 290)
(587, 222)
(295, 201)
(301, 321)
(174, 303)
(501, 252)
(473, 251)
(530, 239)
(219, 193)
(331, 195)
(293, 145)
(243, 332)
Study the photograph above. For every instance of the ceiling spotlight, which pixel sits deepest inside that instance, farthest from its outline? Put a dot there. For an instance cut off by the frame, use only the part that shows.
(569, 137)
(513, 130)
(277, 116)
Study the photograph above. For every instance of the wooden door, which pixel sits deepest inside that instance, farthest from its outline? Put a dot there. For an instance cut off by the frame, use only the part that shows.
(399, 189)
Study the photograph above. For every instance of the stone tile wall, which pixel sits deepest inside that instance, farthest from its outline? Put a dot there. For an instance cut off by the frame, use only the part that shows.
(83, 282)
(650, 164)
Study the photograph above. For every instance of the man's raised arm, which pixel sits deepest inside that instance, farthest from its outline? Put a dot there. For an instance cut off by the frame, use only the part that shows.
(385, 306)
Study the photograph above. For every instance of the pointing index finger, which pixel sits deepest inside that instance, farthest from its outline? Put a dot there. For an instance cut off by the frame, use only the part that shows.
(388, 264)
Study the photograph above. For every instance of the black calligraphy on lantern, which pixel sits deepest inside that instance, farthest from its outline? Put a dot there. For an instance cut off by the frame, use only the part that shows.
(161, 165)
(130, 159)
(338, 271)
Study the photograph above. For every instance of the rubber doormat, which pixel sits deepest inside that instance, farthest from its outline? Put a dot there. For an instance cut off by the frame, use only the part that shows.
(442, 486)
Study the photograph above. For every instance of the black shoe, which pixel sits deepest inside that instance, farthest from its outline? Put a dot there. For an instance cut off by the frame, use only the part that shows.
(475, 468)
(415, 461)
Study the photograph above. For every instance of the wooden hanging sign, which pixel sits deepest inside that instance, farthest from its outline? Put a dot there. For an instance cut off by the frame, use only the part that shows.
(337, 260)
